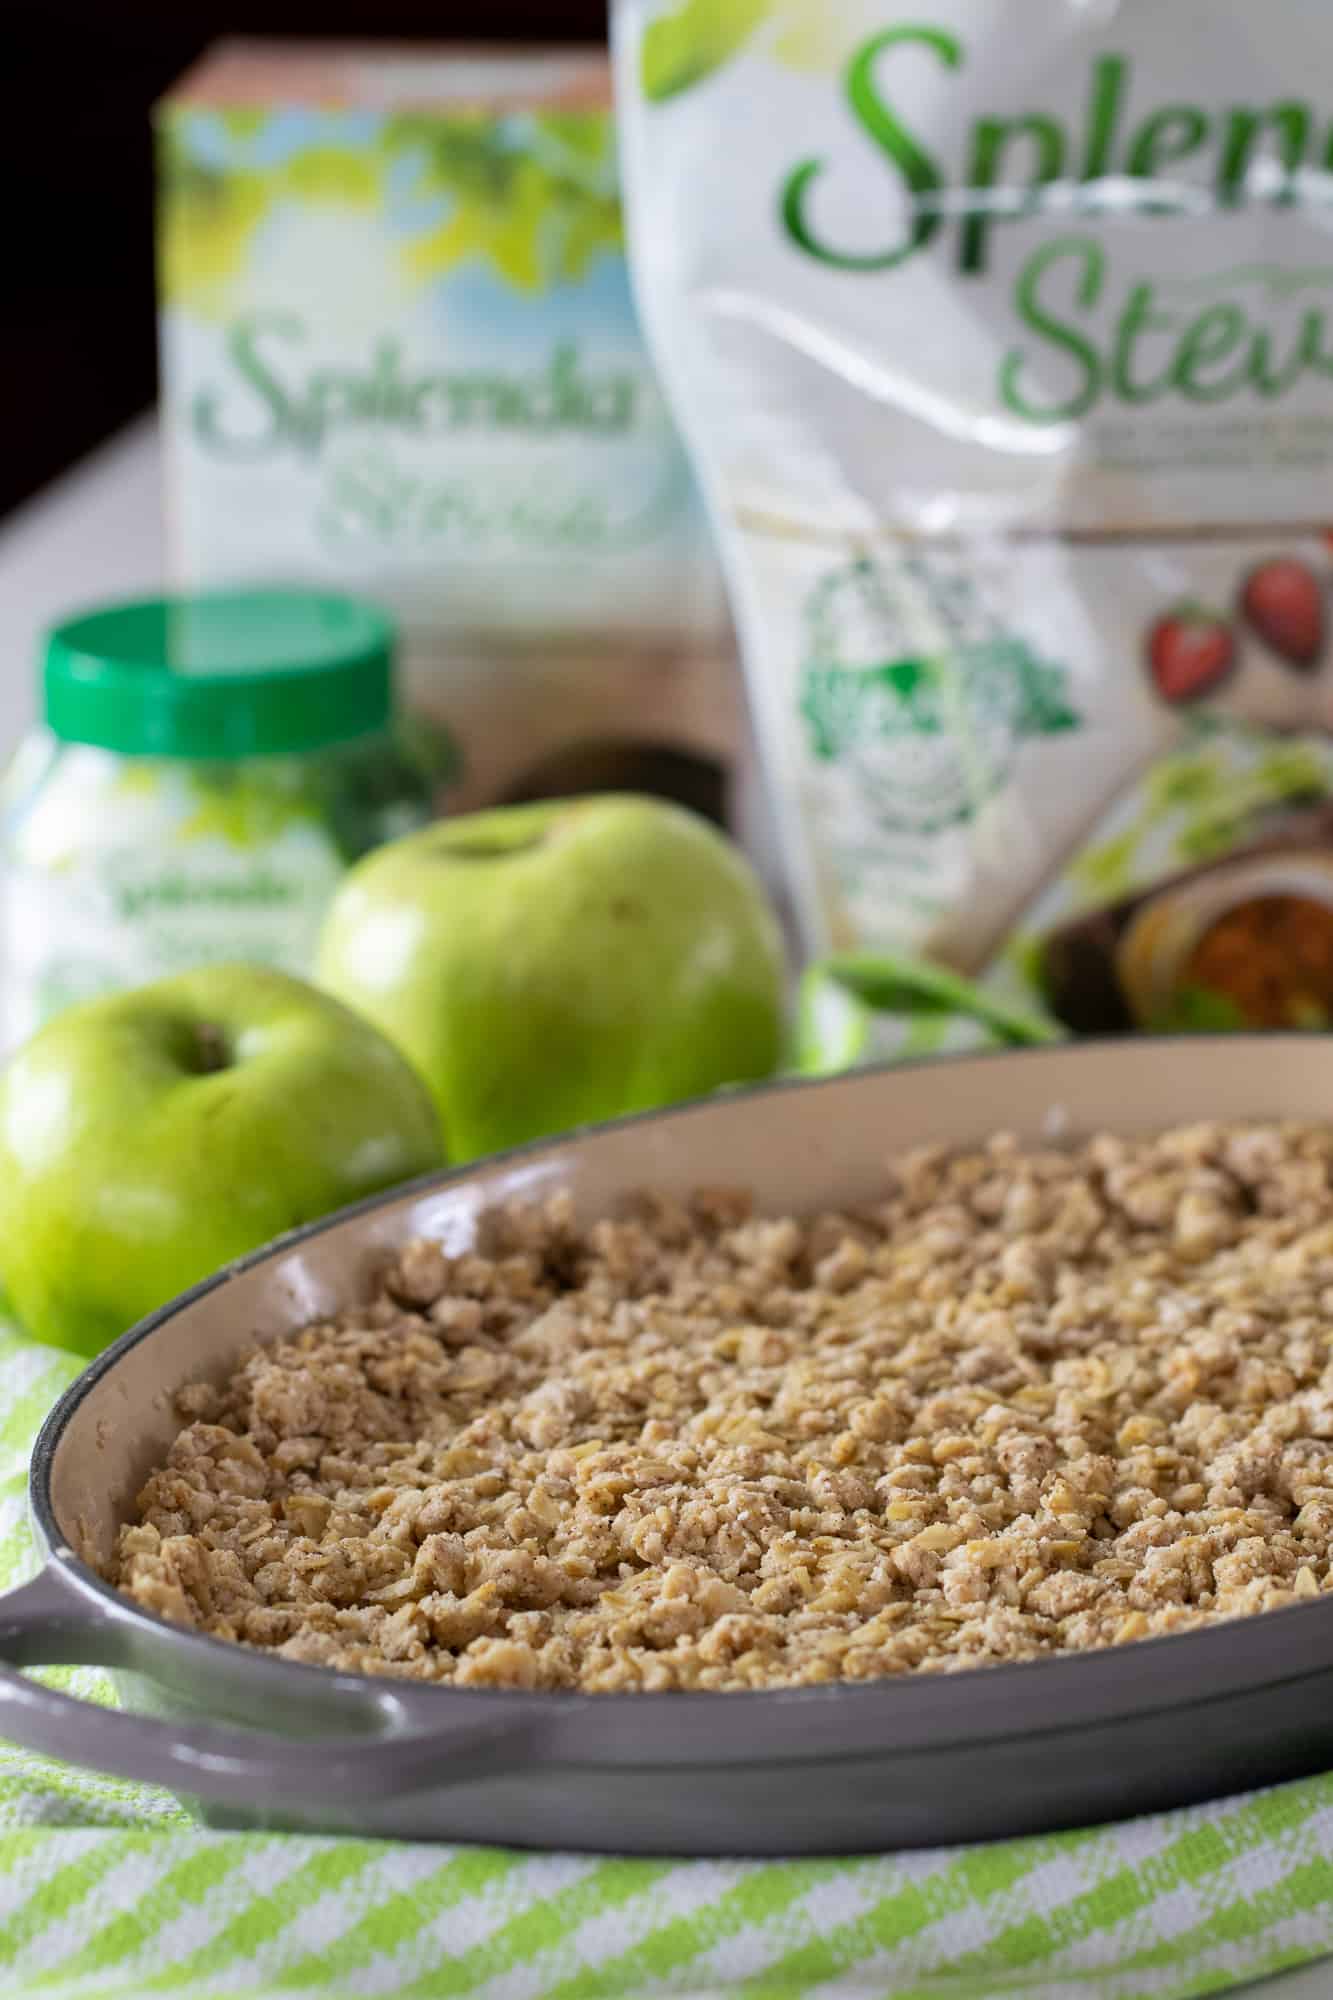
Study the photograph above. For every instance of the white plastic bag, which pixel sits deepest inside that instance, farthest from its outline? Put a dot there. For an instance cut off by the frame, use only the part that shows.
(1002, 334)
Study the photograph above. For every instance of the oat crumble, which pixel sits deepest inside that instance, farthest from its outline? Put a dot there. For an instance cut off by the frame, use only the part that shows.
(1030, 1401)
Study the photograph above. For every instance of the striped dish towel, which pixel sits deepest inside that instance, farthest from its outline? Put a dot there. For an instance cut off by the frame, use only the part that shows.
(109, 1891)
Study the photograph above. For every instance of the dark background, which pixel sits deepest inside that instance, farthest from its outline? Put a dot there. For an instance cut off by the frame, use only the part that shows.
(77, 81)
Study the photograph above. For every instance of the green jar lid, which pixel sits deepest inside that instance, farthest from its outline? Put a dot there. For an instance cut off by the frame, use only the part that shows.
(221, 674)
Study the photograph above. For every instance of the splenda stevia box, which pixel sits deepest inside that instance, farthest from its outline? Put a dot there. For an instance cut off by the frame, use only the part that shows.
(399, 354)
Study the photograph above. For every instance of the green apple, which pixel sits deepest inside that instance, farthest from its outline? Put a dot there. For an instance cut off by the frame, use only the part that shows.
(147, 1138)
(547, 965)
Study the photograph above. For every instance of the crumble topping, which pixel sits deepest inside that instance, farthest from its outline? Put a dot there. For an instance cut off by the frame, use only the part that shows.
(1028, 1401)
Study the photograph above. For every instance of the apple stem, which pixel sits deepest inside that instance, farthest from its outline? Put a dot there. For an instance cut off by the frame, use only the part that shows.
(211, 1051)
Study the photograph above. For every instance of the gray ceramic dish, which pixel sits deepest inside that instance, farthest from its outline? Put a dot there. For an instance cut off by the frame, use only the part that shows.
(998, 1751)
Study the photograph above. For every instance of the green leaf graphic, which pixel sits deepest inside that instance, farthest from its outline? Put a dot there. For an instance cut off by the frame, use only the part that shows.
(535, 200)
(682, 48)
(206, 221)
(1107, 870)
(1043, 709)
(539, 210)
(246, 811)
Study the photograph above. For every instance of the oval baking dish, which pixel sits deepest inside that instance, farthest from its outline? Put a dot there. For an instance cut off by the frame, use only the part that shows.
(991, 1752)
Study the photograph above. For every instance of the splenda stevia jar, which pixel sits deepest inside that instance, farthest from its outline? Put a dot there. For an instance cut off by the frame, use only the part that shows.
(207, 768)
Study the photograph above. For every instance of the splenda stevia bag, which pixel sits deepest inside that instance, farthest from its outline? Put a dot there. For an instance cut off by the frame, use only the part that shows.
(1002, 334)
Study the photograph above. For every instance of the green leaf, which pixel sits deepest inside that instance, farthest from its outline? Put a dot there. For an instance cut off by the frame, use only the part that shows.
(1197, 1010)
(1026, 956)
(683, 47)
(830, 1037)
(832, 1026)
(430, 746)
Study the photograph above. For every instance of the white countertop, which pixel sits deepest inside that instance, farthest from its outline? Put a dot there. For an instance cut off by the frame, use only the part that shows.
(97, 533)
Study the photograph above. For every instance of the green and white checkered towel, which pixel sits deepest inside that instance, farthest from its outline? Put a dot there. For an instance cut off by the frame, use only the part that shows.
(110, 1890)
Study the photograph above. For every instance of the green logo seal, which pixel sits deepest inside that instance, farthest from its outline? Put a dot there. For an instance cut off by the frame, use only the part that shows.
(913, 697)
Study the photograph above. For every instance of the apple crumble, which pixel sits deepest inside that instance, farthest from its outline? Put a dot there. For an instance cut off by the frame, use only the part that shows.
(1027, 1401)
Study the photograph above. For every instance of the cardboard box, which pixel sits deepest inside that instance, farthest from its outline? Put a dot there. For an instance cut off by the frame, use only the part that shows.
(399, 355)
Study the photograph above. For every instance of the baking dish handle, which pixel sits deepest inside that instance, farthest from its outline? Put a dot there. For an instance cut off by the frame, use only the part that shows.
(42, 1624)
